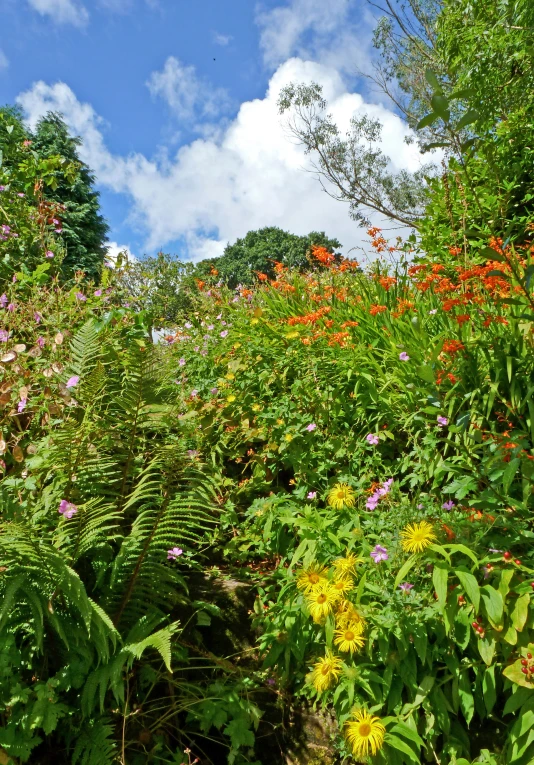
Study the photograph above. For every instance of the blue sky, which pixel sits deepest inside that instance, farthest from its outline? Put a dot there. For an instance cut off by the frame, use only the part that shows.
(175, 101)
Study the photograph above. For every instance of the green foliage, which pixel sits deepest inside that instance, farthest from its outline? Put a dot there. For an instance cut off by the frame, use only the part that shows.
(259, 250)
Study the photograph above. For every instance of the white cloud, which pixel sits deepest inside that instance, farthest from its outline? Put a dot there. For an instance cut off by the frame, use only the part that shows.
(114, 250)
(62, 11)
(222, 40)
(248, 175)
(185, 92)
(4, 63)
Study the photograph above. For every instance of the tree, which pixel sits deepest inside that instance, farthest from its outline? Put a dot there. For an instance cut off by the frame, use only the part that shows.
(258, 251)
(353, 168)
(84, 228)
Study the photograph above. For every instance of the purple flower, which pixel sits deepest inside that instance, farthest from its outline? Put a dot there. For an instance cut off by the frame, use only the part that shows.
(181, 362)
(188, 325)
(97, 293)
(311, 427)
(81, 296)
(404, 356)
(22, 405)
(420, 506)
(2, 188)
(49, 254)
(448, 505)
(67, 509)
(214, 391)
(372, 439)
(208, 293)
(58, 230)
(3, 300)
(192, 453)
(219, 317)
(379, 554)
(196, 348)
(223, 323)
(20, 194)
(41, 342)
(210, 327)
(405, 587)
(11, 307)
(174, 553)
(311, 495)
(4, 335)
(235, 300)
(442, 421)
(203, 353)
(385, 488)
(194, 393)
(14, 279)
(37, 316)
(224, 333)
(72, 382)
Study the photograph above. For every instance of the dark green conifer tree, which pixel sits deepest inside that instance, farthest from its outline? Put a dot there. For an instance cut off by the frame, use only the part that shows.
(84, 228)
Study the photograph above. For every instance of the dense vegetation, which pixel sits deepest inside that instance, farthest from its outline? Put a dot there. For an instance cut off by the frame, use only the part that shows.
(315, 495)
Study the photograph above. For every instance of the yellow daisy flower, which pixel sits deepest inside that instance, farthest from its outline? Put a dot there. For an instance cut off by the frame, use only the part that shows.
(341, 496)
(320, 602)
(310, 577)
(342, 585)
(347, 614)
(417, 536)
(230, 376)
(230, 399)
(365, 733)
(349, 639)
(347, 565)
(326, 671)
(288, 437)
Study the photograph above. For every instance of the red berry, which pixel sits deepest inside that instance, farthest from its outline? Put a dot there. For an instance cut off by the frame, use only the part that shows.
(532, 585)
(479, 619)
(529, 656)
(524, 671)
(507, 555)
(475, 625)
(524, 662)
(517, 562)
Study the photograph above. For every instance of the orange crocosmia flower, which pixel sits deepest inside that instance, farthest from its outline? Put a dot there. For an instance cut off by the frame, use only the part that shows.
(451, 378)
(350, 324)
(448, 531)
(374, 309)
(496, 244)
(462, 318)
(262, 277)
(373, 231)
(451, 347)
(329, 323)
(487, 321)
(437, 267)
(387, 282)
(322, 255)
(455, 251)
(200, 283)
(414, 270)
(338, 338)
(450, 303)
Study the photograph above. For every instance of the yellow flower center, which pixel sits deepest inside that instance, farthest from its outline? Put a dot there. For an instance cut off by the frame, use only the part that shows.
(322, 598)
(364, 729)
(325, 669)
(349, 635)
(314, 578)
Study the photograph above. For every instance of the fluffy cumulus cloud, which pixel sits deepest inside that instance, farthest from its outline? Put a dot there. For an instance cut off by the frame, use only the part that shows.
(222, 40)
(185, 92)
(319, 30)
(62, 11)
(4, 63)
(247, 175)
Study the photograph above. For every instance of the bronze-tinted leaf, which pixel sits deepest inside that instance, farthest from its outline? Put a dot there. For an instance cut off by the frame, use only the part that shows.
(19, 348)
(18, 454)
(7, 357)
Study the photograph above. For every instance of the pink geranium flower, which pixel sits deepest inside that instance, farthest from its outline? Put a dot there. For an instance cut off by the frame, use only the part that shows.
(67, 509)
(372, 439)
(72, 382)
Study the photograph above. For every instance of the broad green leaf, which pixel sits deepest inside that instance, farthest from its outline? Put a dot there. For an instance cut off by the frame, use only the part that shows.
(486, 648)
(440, 577)
(427, 120)
(398, 744)
(470, 586)
(441, 105)
(433, 81)
(519, 614)
(493, 604)
(488, 689)
(467, 702)
(406, 732)
(401, 576)
(469, 117)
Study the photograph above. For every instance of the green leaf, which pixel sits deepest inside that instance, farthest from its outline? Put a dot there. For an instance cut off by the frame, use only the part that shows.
(406, 732)
(519, 614)
(486, 648)
(399, 745)
(493, 604)
(488, 689)
(427, 120)
(441, 105)
(440, 577)
(433, 81)
(509, 473)
(361, 587)
(529, 273)
(401, 576)
(467, 702)
(517, 699)
(470, 586)
(426, 372)
(469, 117)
